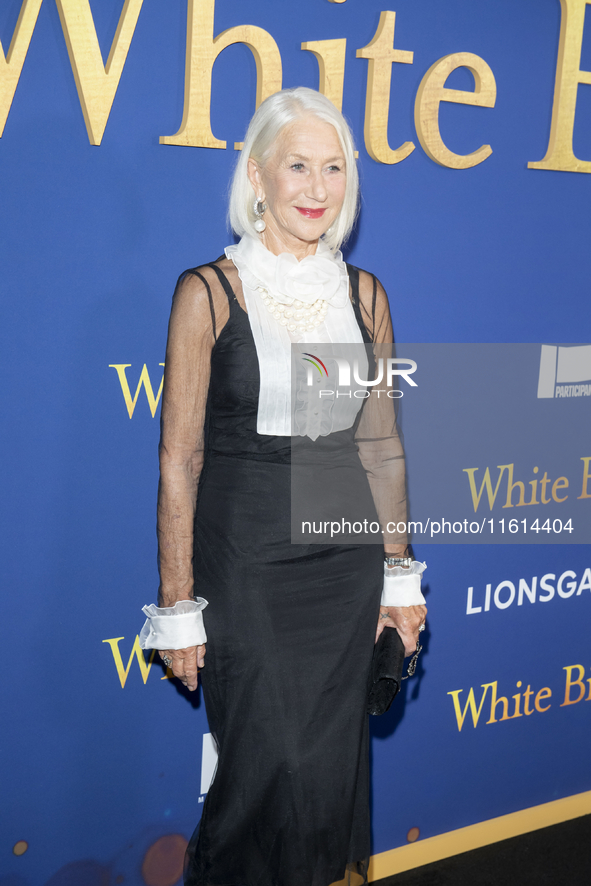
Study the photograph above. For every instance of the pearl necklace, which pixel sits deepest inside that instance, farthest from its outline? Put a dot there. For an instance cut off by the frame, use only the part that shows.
(298, 317)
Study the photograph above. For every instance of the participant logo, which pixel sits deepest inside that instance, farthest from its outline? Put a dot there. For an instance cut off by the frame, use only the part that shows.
(565, 371)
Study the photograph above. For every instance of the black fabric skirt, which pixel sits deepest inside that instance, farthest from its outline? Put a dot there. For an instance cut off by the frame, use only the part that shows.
(290, 637)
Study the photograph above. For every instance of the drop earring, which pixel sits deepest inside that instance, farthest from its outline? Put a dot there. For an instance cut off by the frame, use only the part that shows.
(259, 211)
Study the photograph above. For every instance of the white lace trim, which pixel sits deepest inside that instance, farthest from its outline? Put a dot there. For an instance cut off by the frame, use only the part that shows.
(174, 627)
(286, 279)
(402, 587)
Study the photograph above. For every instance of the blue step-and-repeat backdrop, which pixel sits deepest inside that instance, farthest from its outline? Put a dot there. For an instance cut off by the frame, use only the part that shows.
(119, 128)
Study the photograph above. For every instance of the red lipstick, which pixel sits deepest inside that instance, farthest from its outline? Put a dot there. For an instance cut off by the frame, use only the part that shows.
(311, 213)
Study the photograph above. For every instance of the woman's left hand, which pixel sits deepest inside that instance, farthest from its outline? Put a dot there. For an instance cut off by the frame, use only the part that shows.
(185, 664)
(407, 620)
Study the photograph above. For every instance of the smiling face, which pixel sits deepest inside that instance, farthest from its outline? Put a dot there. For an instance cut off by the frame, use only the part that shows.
(303, 184)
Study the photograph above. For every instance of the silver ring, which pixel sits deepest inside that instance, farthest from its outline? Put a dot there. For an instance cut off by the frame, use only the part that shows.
(422, 627)
(167, 660)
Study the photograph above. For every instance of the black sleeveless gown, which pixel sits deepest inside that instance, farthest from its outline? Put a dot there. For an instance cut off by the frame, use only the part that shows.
(290, 637)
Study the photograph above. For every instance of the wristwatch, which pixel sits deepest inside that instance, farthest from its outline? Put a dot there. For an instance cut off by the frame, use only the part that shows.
(398, 561)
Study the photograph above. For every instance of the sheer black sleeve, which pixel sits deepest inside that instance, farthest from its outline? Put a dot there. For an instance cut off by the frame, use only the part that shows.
(199, 311)
(380, 446)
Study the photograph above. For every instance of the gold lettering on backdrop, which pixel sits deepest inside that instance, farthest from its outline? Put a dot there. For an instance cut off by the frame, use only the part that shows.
(543, 695)
(502, 705)
(144, 380)
(585, 493)
(432, 92)
(202, 51)
(12, 65)
(331, 64)
(136, 652)
(486, 484)
(560, 155)
(381, 55)
(518, 487)
(504, 702)
(470, 703)
(96, 83)
(571, 683)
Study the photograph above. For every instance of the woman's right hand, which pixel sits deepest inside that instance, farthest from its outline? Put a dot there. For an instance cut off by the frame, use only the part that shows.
(186, 664)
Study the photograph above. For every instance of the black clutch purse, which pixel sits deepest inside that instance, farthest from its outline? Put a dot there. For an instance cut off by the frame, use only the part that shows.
(386, 671)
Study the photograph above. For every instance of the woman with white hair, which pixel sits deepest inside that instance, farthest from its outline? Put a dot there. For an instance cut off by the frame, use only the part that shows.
(290, 627)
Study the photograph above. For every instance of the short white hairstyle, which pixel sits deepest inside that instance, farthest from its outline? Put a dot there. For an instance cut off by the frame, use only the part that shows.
(274, 114)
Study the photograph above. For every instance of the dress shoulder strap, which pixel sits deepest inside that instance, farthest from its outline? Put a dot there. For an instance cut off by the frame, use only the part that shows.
(231, 295)
(353, 273)
(195, 273)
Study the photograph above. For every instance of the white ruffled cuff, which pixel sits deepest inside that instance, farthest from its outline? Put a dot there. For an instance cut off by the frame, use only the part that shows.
(402, 587)
(174, 627)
